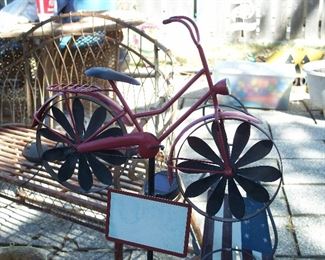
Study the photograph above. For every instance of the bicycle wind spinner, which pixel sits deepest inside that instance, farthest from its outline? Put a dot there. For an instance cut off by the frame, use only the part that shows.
(226, 175)
(86, 164)
(225, 156)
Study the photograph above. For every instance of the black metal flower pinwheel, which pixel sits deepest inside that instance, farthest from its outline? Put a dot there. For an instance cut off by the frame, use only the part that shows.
(84, 164)
(240, 174)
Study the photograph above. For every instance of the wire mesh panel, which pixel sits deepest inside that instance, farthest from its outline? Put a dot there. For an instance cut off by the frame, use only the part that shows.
(12, 81)
(60, 49)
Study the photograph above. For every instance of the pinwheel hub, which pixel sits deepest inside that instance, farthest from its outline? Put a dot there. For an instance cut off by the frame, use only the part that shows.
(70, 151)
(229, 172)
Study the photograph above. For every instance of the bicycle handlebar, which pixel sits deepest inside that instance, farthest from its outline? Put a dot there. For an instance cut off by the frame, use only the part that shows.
(189, 24)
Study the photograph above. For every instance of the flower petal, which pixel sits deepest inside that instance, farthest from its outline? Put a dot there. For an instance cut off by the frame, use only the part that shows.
(202, 148)
(102, 173)
(220, 138)
(236, 201)
(215, 200)
(110, 132)
(97, 119)
(241, 138)
(260, 173)
(198, 187)
(51, 134)
(253, 189)
(57, 154)
(63, 121)
(67, 168)
(78, 115)
(193, 166)
(85, 177)
(255, 153)
(112, 156)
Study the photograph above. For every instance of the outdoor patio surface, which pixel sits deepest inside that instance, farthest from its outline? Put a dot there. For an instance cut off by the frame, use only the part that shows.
(298, 210)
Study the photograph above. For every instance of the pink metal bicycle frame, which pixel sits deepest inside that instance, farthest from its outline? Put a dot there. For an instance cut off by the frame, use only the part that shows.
(149, 144)
(145, 140)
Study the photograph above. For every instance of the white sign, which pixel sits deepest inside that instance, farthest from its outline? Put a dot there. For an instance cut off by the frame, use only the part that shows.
(148, 222)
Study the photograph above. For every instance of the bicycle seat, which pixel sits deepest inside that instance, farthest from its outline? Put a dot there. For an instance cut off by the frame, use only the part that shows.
(109, 74)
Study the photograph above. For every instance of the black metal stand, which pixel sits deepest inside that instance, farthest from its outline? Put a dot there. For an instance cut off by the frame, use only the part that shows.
(151, 177)
(151, 191)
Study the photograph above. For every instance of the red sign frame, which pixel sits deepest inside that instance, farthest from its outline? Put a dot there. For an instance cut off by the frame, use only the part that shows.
(153, 201)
